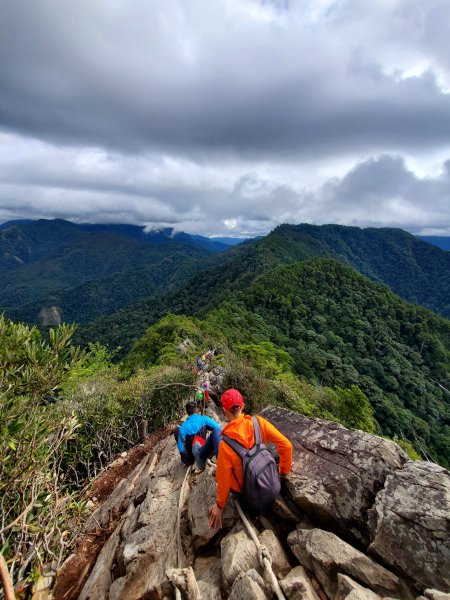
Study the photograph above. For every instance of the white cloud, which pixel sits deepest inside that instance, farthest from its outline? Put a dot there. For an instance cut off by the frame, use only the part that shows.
(241, 112)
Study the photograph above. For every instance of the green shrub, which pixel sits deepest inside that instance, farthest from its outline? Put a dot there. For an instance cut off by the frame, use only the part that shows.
(32, 439)
(109, 412)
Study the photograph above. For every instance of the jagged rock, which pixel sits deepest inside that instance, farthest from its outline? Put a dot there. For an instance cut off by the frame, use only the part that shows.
(350, 590)
(208, 571)
(120, 498)
(410, 524)
(184, 580)
(99, 581)
(202, 495)
(216, 379)
(209, 591)
(248, 586)
(337, 471)
(148, 551)
(280, 562)
(297, 585)
(239, 555)
(436, 595)
(326, 555)
(285, 512)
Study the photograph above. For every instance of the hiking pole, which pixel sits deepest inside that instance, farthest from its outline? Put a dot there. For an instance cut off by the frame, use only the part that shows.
(263, 554)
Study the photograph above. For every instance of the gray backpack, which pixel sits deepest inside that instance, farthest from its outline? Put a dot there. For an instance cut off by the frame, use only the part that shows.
(261, 479)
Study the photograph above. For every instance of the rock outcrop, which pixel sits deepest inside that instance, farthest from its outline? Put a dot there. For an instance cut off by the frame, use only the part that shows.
(327, 556)
(410, 524)
(337, 471)
(357, 520)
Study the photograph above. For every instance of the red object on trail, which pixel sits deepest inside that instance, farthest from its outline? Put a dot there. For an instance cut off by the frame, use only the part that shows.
(198, 439)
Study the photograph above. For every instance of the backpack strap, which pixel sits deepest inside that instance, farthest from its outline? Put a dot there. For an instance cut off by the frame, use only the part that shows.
(239, 448)
(236, 446)
(257, 430)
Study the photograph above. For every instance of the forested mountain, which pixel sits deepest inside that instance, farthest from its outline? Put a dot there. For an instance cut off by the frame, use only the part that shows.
(413, 269)
(341, 330)
(86, 271)
(321, 321)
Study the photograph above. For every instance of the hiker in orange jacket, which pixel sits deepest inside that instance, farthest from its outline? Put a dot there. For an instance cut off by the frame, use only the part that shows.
(229, 474)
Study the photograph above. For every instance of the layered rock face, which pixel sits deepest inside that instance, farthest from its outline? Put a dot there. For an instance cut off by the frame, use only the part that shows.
(337, 472)
(364, 488)
(410, 523)
(357, 520)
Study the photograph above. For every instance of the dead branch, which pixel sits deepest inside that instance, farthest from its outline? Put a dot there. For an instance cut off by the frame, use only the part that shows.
(5, 579)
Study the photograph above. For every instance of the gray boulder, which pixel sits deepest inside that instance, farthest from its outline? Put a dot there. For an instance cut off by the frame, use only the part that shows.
(280, 562)
(216, 378)
(239, 555)
(350, 590)
(184, 345)
(208, 571)
(337, 471)
(410, 524)
(436, 595)
(203, 494)
(326, 555)
(248, 586)
(298, 586)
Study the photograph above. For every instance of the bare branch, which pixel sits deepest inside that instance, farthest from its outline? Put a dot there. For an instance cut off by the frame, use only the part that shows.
(5, 579)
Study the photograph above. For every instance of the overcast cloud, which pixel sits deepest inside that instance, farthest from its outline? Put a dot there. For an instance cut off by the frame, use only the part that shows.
(226, 116)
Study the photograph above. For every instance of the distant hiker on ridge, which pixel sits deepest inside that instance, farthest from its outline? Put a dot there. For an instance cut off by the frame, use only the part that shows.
(262, 484)
(192, 442)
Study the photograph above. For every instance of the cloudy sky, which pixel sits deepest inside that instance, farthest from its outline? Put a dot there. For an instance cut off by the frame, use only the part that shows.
(226, 116)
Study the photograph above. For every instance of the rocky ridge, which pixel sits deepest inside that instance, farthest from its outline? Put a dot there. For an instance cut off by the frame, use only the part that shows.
(356, 520)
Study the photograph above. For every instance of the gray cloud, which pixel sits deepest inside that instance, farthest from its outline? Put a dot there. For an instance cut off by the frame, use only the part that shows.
(379, 191)
(233, 115)
(163, 77)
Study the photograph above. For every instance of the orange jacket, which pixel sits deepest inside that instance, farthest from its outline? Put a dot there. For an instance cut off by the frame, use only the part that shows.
(229, 473)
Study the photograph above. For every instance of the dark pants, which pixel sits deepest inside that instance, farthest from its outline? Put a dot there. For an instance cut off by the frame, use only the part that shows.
(211, 446)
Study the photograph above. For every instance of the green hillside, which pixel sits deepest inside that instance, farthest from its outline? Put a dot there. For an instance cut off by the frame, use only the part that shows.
(335, 328)
(88, 274)
(416, 271)
(340, 329)
(413, 269)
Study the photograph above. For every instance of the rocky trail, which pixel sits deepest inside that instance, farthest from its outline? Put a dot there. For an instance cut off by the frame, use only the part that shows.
(357, 519)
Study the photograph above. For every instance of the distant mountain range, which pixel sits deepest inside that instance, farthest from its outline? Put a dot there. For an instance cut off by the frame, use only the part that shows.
(81, 273)
(87, 271)
(413, 269)
(323, 295)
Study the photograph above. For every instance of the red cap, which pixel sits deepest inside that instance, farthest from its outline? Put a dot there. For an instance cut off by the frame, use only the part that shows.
(232, 398)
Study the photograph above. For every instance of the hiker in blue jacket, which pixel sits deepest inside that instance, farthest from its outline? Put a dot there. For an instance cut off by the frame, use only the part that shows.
(192, 440)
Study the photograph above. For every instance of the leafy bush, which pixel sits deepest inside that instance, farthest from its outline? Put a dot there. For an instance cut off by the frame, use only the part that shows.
(32, 441)
(109, 412)
(158, 345)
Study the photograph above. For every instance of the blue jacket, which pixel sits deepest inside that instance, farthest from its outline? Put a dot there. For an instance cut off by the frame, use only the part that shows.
(195, 425)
